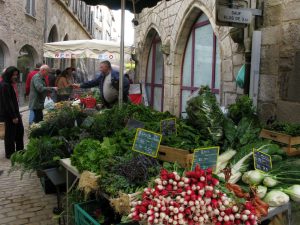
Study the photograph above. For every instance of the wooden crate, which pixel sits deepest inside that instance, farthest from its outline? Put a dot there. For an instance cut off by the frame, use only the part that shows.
(169, 154)
(289, 140)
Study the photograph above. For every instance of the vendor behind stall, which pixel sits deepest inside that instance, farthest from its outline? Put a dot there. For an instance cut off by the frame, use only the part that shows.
(108, 82)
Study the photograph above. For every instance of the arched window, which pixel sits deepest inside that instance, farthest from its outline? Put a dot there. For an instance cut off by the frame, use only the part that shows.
(201, 62)
(1, 59)
(155, 75)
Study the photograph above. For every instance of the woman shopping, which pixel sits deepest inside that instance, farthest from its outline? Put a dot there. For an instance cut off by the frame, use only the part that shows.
(9, 112)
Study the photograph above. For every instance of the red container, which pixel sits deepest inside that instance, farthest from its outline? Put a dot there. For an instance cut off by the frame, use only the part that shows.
(89, 102)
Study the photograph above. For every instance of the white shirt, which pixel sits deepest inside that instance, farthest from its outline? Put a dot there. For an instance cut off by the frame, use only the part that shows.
(110, 94)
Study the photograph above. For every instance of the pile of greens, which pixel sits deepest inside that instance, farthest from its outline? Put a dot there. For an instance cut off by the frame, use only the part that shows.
(40, 153)
(89, 155)
(286, 128)
(205, 114)
(242, 108)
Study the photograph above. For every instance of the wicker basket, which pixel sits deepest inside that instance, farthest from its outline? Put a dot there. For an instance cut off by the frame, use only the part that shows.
(2, 130)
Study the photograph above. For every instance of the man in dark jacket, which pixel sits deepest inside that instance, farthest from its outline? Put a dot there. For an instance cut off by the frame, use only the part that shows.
(9, 112)
(108, 82)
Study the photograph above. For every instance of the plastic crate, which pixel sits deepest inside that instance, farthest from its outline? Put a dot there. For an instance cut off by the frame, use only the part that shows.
(85, 213)
(82, 213)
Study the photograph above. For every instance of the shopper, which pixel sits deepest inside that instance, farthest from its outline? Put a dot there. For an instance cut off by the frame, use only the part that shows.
(38, 93)
(63, 86)
(9, 112)
(27, 88)
(108, 82)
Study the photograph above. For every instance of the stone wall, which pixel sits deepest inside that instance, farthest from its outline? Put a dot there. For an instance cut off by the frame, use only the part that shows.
(18, 29)
(280, 60)
(66, 22)
(173, 21)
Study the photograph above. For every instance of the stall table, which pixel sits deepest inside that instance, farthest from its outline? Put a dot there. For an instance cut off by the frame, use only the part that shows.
(273, 211)
(70, 170)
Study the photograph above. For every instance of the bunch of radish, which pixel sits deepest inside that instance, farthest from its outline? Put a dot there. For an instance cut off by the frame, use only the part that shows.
(193, 199)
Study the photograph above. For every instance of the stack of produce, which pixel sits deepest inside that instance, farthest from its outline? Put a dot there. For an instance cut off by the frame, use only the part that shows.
(195, 198)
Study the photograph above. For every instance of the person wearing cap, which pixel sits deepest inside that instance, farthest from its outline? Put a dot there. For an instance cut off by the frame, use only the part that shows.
(108, 83)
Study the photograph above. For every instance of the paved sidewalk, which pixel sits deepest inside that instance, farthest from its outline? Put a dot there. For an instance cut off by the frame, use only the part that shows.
(23, 202)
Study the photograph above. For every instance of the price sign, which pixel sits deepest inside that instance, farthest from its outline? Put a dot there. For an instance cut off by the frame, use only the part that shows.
(206, 157)
(146, 142)
(168, 127)
(133, 124)
(262, 161)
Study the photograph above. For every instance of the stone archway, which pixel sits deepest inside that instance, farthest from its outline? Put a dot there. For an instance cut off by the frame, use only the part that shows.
(154, 75)
(52, 37)
(26, 60)
(4, 55)
(66, 37)
(181, 34)
(145, 51)
(53, 34)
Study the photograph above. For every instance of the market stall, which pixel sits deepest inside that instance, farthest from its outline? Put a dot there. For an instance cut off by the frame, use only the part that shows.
(158, 169)
(87, 54)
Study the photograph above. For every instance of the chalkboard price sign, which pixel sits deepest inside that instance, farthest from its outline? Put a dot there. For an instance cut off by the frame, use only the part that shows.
(133, 124)
(168, 127)
(146, 142)
(262, 161)
(206, 157)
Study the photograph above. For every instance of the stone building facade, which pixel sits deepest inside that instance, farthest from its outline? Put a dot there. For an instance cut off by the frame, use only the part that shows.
(280, 60)
(26, 25)
(173, 25)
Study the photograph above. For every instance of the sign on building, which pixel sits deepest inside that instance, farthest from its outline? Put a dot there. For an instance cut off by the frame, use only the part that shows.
(234, 13)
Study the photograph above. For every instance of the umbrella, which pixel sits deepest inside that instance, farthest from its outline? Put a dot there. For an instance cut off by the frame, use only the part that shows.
(135, 6)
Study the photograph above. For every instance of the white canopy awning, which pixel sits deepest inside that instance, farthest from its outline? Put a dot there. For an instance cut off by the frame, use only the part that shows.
(97, 49)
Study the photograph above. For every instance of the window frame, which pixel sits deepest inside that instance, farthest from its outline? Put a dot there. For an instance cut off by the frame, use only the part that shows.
(153, 85)
(30, 8)
(193, 88)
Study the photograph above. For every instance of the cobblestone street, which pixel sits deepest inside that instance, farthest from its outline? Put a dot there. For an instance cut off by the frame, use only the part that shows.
(23, 202)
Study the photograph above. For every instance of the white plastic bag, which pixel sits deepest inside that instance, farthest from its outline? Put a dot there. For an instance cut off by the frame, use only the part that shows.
(49, 103)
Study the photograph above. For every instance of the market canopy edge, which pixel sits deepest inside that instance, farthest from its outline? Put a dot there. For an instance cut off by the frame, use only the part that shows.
(139, 5)
(98, 49)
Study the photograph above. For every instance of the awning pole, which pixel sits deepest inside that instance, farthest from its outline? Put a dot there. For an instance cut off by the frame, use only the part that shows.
(122, 53)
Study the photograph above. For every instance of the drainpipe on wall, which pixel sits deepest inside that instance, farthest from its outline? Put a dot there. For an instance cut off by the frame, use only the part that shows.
(45, 26)
(46, 22)
(248, 46)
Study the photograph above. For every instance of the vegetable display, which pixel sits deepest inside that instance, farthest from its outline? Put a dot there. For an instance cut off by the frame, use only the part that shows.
(101, 143)
(194, 198)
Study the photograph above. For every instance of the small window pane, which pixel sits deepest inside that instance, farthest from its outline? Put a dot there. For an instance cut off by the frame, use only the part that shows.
(148, 93)
(187, 64)
(202, 18)
(149, 65)
(1, 60)
(159, 63)
(185, 95)
(157, 98)
(203, 56)
(218, 67)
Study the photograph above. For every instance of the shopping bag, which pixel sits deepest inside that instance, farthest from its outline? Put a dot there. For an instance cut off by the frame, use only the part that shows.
(49, 103)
